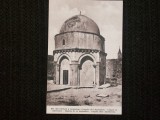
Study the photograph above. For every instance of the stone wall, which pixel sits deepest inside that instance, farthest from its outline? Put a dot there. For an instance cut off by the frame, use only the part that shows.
(114, 69)
(79, 40)
(50, 68)
(111, 67)
(102, 70)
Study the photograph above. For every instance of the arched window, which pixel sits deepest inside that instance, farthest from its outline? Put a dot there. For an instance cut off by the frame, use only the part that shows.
(63, 42)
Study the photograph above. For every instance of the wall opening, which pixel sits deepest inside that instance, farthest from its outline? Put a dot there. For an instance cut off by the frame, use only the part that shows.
(63, 42)
(87, 72)
(65, 76)
(64, 70)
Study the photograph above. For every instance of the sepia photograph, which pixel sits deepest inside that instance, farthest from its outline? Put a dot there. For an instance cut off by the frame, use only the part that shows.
(84, 72)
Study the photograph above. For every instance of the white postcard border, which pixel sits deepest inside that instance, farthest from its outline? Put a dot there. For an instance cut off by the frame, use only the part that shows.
(84, 110)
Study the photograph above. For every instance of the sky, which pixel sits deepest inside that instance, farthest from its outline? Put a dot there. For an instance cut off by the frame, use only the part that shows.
(108, 15)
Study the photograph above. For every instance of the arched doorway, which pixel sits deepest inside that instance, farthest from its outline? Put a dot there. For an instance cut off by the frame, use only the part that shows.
(64, 70)
(87, 72)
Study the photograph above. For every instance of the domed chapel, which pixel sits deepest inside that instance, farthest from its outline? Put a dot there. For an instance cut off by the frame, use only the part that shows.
(79, 54)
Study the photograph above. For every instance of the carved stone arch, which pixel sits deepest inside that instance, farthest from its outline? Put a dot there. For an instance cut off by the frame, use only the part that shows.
(63, 55)
(86, 55)
(87, 70)
(63, 72)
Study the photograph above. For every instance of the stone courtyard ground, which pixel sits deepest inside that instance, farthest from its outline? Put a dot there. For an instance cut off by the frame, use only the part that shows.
(63, 95)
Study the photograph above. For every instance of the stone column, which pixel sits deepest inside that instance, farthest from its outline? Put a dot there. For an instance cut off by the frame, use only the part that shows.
(95, 81)
(78, 74)
(57, 74)
(74, 74)
(97, 74)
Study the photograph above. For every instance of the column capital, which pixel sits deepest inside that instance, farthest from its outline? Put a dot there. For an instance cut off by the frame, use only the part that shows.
(79, 66)
(94, 66)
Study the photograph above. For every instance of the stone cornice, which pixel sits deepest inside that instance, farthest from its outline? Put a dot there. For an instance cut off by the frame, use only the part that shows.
(102, 38)
(79, 50)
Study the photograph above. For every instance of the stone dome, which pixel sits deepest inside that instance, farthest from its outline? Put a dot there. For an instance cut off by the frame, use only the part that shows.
(80, 23)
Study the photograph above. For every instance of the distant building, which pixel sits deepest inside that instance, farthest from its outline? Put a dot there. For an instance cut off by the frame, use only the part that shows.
(114, 68)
